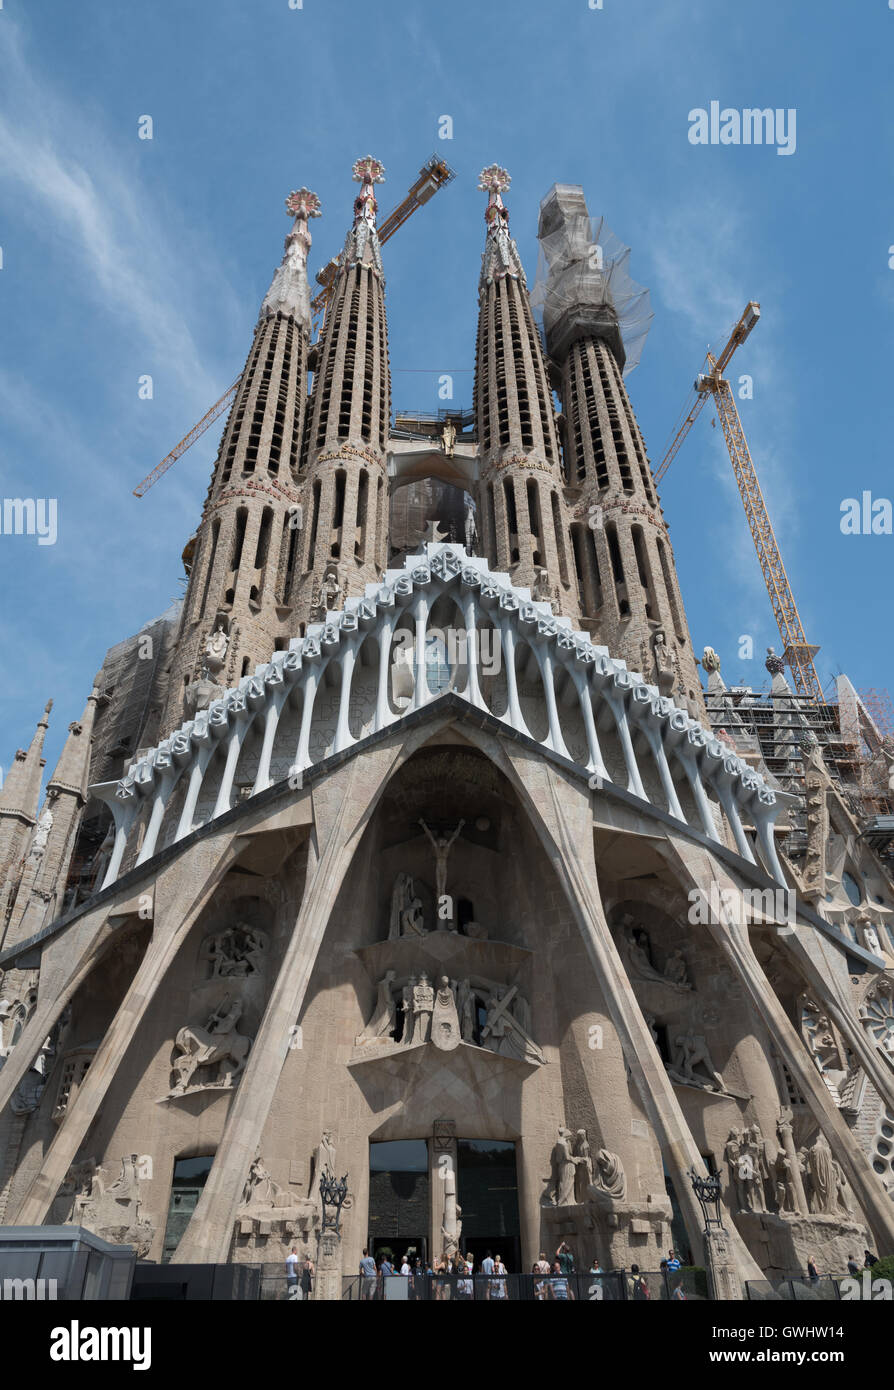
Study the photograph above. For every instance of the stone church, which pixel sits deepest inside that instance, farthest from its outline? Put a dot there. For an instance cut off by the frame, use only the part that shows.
(404, 851)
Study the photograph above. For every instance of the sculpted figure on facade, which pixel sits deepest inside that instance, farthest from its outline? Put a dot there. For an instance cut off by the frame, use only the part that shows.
(451, 1224)
(563, 1168)
(824, 1178)
(445, 1031)
(733, 1153)
(675, 970)
(41, 835)
(382, 1023)
(465, 1008)
(236, 952)
(583, 1173)
(217, 1042)
(111, 1212)
(691, 1051)
(635, 943)
(610, 1176)
(216, 645)
(323, 1159)
(423, 1007)
(406, 918)
(503, 1031)
(441, 844)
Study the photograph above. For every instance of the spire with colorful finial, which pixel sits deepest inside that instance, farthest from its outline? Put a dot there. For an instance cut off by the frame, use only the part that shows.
(367, 171)
(289, 293)
(500, 251)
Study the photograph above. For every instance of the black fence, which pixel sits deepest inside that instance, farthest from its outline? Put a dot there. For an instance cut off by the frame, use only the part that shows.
(797, 1289)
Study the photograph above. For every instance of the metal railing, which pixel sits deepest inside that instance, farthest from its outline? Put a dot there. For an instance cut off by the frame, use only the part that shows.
(797, 1289)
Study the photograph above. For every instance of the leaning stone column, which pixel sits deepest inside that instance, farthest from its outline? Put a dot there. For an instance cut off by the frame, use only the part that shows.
(561, 814)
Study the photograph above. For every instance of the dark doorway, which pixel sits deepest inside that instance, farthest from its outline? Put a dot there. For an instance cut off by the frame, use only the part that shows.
(399, 1203)
(487, 1187)
(190, 1176)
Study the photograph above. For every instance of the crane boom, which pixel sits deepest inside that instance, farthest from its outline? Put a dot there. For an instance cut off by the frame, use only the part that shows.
(207, 419)
(434, 174)
(798, 652)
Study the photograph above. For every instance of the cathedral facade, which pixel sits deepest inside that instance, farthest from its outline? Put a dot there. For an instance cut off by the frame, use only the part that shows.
(423, 866)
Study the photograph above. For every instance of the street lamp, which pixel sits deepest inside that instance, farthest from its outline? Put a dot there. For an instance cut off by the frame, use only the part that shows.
(333, 1192)
(707, 1190)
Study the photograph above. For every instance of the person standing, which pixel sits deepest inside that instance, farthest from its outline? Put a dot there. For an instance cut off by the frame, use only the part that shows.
(673, 1264)
(307, 1278)
(565, 1259)
(499, 1287)
(487, 1268)
(560, 1284)
(852, 1266)
(869, 1259)
(812, 1271)
(292, 1289)
(367, 1276)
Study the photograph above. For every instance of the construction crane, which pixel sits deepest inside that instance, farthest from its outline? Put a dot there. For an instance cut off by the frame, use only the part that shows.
(434, 174)
(797, 651)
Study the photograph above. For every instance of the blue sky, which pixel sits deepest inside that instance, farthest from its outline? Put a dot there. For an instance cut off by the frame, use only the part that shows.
(124, 256)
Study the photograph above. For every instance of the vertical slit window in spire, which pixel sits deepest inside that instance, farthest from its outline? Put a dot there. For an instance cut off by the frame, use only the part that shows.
(239, 537)
(350, 357)
(560, 539)
(670, 590)
(257, 421)
(209, 562)
(499, 363)
(381, 524)
(535, 521)
(611, 405)
(541, 383)
(511, 520)
(338, 513)
(292, 533)
(330, 352)
(593, 415)
(237, 414)
(519, 367)
(362, 508)
(369, 360)
(263, 544)
(577, 549)
(638, 445)
(384, 369)
(491, 525)
(482, 376)
(314, 522)
(614, 550)
(642, 565)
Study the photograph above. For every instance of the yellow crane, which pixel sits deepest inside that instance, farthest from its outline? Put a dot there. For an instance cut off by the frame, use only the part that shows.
(797, 651)
(434, 174)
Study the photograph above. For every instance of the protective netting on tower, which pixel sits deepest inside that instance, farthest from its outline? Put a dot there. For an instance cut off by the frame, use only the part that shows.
(582, 263)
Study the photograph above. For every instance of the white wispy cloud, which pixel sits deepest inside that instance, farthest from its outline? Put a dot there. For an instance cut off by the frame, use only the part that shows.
(129, 260)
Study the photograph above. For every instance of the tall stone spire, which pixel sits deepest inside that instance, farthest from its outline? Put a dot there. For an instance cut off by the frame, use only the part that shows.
(18, 800)
(236, 610)
(629, 593)
(523, 521)
(38, 894)
(346, 492)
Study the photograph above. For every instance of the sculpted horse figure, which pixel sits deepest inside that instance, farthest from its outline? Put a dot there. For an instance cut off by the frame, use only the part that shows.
(218, 1041)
